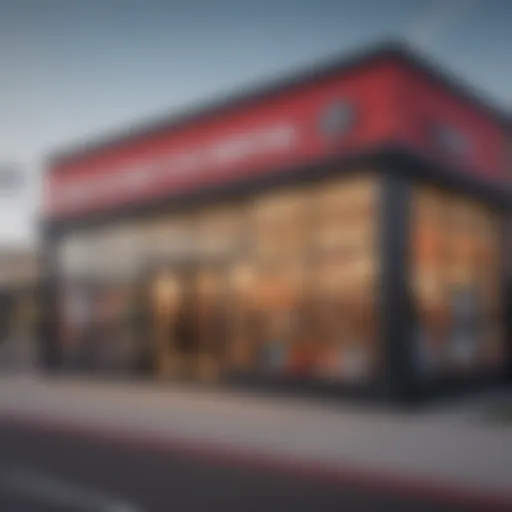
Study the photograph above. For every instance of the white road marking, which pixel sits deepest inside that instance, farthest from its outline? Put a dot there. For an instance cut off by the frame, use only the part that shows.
(58, 492)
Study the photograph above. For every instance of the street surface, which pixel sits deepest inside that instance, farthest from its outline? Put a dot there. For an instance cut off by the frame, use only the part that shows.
(48, 471)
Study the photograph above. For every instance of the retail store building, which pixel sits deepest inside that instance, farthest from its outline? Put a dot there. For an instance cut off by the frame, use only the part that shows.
(342, 229)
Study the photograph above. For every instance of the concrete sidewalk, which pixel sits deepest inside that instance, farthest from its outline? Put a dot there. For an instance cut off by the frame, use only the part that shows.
(435, 449)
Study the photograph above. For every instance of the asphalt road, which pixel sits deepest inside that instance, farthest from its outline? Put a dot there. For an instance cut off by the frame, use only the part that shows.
(44, 471)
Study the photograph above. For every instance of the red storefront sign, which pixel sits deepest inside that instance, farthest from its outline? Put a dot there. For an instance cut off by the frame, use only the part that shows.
(351, 112)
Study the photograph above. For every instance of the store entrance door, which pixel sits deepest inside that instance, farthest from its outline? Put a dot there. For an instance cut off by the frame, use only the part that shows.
(188, 321)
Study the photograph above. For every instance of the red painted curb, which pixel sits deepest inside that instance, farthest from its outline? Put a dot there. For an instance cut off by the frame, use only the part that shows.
(363, 479)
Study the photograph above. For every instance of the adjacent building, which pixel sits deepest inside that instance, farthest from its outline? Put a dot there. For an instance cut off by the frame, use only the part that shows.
(19, 285)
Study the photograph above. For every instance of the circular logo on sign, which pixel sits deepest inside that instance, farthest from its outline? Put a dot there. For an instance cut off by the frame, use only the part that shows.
(336, 119)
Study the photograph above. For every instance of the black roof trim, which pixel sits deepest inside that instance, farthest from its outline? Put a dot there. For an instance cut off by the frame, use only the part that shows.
(390, 49)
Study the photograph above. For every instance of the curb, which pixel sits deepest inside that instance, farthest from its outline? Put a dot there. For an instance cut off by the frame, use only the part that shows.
(358, 478)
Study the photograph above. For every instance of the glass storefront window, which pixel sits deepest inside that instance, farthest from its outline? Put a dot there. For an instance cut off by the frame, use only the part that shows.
(345, 279)
(344, 213)
(345, 314)
(456, 271)
(241, 336)
(167, 238)
(280, 249)
(220, 233)
(280, 223)
(299, 299)
(279, 295)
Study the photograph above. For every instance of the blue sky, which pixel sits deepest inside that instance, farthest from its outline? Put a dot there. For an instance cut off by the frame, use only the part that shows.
(73, 69)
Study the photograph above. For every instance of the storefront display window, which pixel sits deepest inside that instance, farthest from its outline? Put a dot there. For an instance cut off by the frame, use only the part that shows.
(284, 283)
(220, 233)
(345, 269)
(167, 238)
(166, 296)
(241, 315)
(279, 301)
(279, 254)
(456, 247)
(280, 224)
(100, 269)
